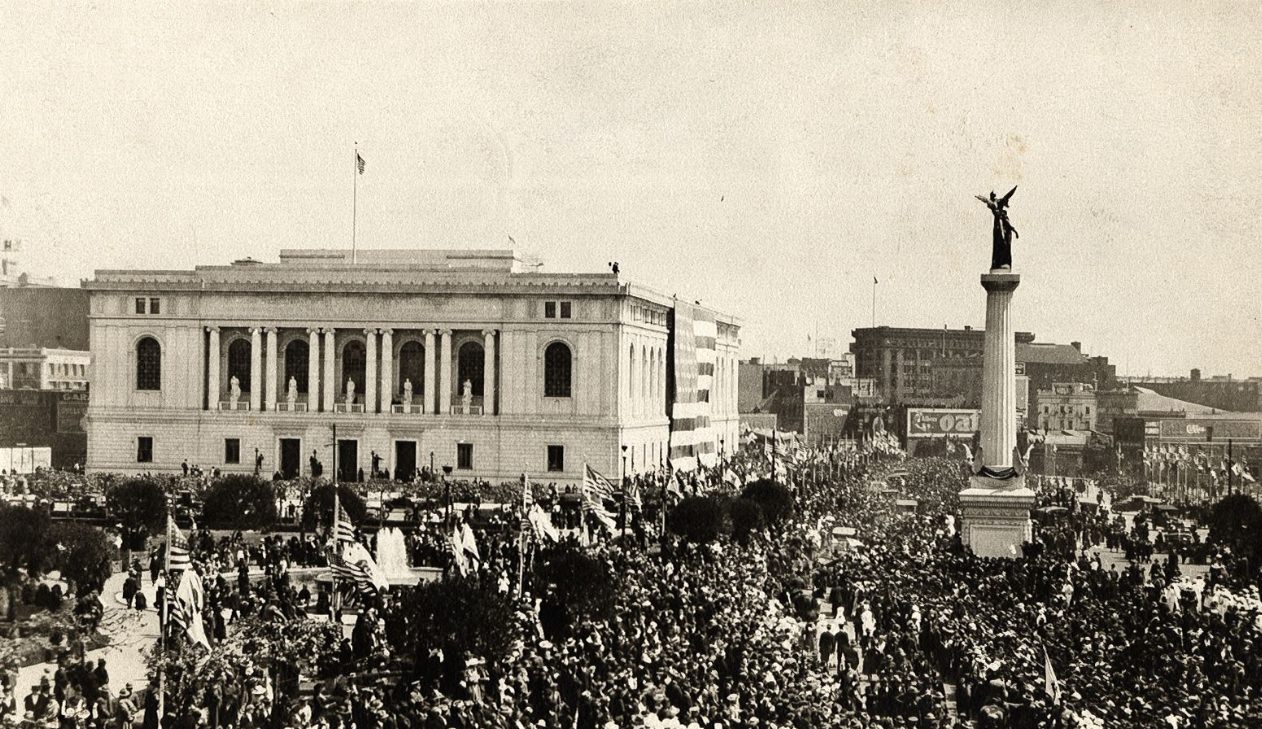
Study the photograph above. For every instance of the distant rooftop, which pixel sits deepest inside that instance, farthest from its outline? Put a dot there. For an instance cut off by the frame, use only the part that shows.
(1047, 353)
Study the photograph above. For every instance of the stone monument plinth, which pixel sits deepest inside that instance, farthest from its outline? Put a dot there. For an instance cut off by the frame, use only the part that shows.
(995, 508)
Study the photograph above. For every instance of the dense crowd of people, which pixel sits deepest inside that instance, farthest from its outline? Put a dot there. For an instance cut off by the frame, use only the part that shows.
(901, 627)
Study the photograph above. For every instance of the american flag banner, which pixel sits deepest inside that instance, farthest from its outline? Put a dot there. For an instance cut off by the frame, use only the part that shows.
(343, 528)
(178, 558)
(359, 163)
(186, 609)
(597, 490)
(356, 575)
(691, 354)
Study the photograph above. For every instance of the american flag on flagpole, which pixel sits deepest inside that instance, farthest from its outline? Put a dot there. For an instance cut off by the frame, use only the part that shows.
(359, 163)
(343, 527)
(178, 558)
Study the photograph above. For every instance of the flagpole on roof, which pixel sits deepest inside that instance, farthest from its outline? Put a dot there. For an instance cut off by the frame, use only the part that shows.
(356, 171)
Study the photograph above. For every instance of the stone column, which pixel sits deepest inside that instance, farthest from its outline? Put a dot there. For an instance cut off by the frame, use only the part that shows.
(999, 363)
(212, 369)
(330, 370)
(370, 372)
(387, 369)
(444, 372)
(488, 371)
(313, 370)
(271, 368)
(429, 397)
(256, 368)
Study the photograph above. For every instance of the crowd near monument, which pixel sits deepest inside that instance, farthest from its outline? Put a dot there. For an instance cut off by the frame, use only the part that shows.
(265, 467)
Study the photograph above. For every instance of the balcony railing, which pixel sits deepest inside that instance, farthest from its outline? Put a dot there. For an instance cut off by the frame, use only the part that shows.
(413, 409)
(238, 405)
(298, 407)
(463, 409)
(348, 407)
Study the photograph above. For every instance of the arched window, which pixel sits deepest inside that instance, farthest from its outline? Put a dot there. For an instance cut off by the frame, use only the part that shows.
(148, 364)
(297, 354)
(239, 363)
(558, 368)
(469, 367)
(411, 366)
(354, 365)
(644, 374)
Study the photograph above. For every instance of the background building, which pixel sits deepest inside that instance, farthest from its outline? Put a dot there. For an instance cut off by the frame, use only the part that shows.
(468, 358)
(39, 368)
(1222, 392)
(1067, 406)
(901, 360)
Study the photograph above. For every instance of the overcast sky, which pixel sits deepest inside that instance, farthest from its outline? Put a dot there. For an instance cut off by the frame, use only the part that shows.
(769, 159)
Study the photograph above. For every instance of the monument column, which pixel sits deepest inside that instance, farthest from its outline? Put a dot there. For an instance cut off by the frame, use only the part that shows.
(444, 372)
(212, 369)
(488, 371)
(999, 366)
(429, 395)
(271, 368)
(256, 368)
(330, 373)
(313, 370)
(370, 372)
(387, 369)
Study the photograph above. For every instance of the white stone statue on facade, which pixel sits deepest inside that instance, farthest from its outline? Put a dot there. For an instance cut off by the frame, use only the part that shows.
(234, 392)
(291, 392)
(407, 395)
(466, 396)
(350, 391)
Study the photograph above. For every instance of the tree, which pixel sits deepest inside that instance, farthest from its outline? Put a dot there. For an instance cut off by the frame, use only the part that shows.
(747, 519)
(240, 502)
(575, 586)
(699, 519)
(1236, 521)
(82, 554)
(457, 616)
(140, 507)
(318, 510)
(24, 539)
(775, 500)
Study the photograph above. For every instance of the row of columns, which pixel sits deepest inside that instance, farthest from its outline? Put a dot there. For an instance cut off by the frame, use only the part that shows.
(432, 399)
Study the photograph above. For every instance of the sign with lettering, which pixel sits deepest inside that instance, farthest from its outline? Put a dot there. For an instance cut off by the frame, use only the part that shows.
(942, 423)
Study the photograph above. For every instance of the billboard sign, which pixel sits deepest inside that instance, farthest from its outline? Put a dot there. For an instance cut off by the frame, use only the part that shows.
(1210, 429)
(942, 422)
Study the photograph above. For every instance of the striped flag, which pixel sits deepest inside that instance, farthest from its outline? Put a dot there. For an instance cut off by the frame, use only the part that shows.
(542, 524)
(356, 575)
(596, 491)
(359, 163)
(634, 500)
(693, 337)
(186, 608)
(178, 558)
(343, 528)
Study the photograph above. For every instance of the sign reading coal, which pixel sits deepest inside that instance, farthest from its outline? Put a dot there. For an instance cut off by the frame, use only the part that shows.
(942, 423)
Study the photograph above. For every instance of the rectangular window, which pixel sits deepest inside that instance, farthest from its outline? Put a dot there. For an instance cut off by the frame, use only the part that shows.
(154, 307)
(464, 456)
(549, 310)
(556, 458)
(232, 450)
(140, 306)
(144, 449)
(565, 310)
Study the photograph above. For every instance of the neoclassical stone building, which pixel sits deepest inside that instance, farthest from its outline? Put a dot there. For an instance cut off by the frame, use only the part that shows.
(468, 359)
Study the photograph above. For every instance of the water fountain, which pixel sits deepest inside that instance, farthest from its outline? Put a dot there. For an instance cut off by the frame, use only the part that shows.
(392, 558)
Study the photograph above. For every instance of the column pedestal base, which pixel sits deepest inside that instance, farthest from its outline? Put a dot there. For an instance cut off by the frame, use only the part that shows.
(995, 516)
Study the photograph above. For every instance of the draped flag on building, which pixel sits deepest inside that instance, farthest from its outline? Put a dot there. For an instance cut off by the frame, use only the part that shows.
(692, 353)
(185, 612)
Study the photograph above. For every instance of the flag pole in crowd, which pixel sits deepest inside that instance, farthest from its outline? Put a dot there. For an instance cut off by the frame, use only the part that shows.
(334, 524)
(521, 538)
